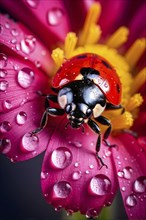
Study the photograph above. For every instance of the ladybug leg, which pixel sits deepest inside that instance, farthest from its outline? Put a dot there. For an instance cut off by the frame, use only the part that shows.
(96, 129)
(105, 121)
(48, 111)
(110, 106)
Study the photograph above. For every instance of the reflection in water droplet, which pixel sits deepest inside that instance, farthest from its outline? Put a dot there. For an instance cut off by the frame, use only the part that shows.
(76, 175)
(120, 173)
(140, 184)
(77, 144)
(14, 32)
(7, 105)
(25, 77)
(28, 44)
(91, 213)
(76, 164)
(91, 166)
(127, 172)
(3, 73)
(3, 60)
(100, 185)
(3, 85)
(55, 16)
(21, 118)
(62, 189)
(44, 175)
(32, 3)
(5, 126)
(131, 200)
(5, 145)
(123, 189)
(61, 158)
(29, 142)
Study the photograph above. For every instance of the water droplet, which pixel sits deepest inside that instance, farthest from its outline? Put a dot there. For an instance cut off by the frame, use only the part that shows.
(120, 173)
(77, 144)
(54, 16)
(131, 200)
(123, 189)
(3, 60)
(32, 3)
(13, 41)
(7, 25)
(5, 144)
(62, 189)
(100, 185)
(58, 208)
(14, 32)
(3, 73)
(91, 166)
(76, 164)
(69, 212)
(44, 175)
(127, 172)
(91, 213)
(87, 171)
(61, 158)
(14, 159)
(21, 118)
(37, 63)
(7, 105)
(29, 142)
(139, 185)
(5, 126)
(3, 85)
(107, 152)
(28, 44)
(17, 47)
(25, 77)
(76, 175)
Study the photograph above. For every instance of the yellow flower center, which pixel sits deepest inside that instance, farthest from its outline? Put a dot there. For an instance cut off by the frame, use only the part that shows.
(88, 42)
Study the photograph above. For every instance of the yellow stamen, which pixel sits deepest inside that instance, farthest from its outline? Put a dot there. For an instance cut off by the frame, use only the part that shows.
(118, 38)
(138, 81)
(70, 44)
(94, 34)
(92, 18)
(58, 57)
(123, 121)
(135, 52)
(134, 102)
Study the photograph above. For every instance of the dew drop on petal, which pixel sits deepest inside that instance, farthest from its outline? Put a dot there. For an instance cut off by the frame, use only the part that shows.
(91, 166)
(91, 213)
(123, 189)
(25, 77)
(54, 16)
(62, 189)
(32, 3)
(29, 142)
(76, 164)
(14, 32)
(7, 105)
(5, 126)
(3, 85)
(44, 175)
(131, 200)
(139, 185)
(21, 118)
(100, 185)
(77, 144)
(3, 73)
(5, 145)
(120, 173)
(61, 158)
(28, 44)
(76, 175)
(127, 172)
(3, 60)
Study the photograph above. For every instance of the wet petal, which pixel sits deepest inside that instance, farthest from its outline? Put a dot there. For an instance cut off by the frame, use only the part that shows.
(130, 161)
(71, 177)
(48, 19)
(23, 42)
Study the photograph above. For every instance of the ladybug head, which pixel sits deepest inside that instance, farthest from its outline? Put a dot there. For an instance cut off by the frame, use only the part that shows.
(81, 100)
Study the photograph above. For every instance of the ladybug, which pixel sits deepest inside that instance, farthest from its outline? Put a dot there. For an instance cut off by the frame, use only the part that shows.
(85, 86)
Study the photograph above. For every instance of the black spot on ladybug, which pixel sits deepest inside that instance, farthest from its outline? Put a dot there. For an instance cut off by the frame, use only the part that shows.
(87, 70)
(106, 64)
(81, 56)
(118, 88)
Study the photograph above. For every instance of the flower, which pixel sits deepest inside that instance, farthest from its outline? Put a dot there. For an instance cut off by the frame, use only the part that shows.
(71, 176)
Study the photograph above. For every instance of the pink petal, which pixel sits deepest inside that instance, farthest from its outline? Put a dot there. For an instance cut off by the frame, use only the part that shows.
(71, 175)
(130, 162)
(47, 19)
(23, 42)
(21, 107)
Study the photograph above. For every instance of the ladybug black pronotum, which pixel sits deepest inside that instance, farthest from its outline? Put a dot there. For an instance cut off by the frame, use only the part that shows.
(85, 86)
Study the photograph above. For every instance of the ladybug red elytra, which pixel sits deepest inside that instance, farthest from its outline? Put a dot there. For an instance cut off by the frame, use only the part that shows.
(85, 86)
